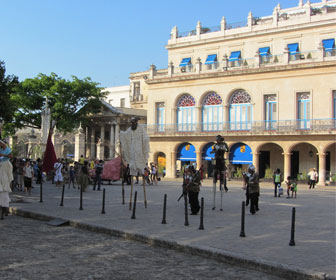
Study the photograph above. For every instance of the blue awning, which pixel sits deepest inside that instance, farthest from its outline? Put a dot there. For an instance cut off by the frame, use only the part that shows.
(207, 155)
(234, 56)
(186, 152)
(293, 48)
(240, 153)
(211, 59)
(328, 44)
(264, 51)
(185, 61)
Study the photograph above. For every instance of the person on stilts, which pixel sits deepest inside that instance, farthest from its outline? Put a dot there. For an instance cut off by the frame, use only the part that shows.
(219, 149)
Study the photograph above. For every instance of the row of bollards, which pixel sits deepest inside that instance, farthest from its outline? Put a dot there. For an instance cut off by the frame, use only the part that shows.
(242, 227)
(186, 220)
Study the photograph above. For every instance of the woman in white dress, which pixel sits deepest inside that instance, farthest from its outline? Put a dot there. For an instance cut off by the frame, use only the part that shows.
(6, 177)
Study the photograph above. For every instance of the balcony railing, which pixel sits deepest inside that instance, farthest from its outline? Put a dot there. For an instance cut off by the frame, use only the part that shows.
(248, 127)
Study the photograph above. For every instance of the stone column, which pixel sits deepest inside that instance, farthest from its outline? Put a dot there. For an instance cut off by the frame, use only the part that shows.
(171, 165)
(112, 141)
(322, 170)
(287, 165)
(101, 146)
(117, 139)
(256, 161)
(170, 69)
(79, 144)
(198, 159)
(87, 142)
(198, 65)
(199, 118)
(92, 144)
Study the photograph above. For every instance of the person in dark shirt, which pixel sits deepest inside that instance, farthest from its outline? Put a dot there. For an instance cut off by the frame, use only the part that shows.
(98, 172)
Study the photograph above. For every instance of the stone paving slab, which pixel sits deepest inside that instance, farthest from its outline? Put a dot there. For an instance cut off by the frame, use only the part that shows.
(32, 250)
(267, 233)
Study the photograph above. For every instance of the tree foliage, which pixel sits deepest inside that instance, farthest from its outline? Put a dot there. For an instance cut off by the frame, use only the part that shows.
(8, 85)
(71, 101)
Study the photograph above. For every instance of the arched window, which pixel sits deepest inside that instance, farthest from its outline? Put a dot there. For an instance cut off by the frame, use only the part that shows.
(186, 113)
(212, 112)
(240, 110)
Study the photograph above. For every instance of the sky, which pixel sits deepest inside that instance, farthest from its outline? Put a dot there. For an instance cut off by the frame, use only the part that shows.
(106, 40)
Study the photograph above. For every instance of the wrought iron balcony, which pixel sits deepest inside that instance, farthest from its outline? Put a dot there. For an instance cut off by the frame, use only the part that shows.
(292, 127)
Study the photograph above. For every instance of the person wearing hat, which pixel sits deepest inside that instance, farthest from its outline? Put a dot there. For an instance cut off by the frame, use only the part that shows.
(219, 149)
(253, 190)
(6, 177)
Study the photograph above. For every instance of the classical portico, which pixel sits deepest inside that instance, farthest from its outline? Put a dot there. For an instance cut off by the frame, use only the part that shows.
(101, 139)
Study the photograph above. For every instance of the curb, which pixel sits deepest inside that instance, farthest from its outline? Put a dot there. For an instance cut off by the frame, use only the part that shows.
(276, 269)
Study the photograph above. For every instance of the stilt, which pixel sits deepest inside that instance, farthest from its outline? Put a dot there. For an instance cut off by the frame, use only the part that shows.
(130, 201)
(214, 195)
(221, 191)
(144, 189)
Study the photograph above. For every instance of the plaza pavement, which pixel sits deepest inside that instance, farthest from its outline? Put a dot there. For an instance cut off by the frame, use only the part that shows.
(265, 247)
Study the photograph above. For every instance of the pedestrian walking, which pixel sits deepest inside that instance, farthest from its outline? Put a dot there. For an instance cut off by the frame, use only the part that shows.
(20, 176)
(98, 172)
(313, 177)
(288, 184)
(277, 179)
(6, 177)
(84, 176)
(252, 181)
(72, 176)
(294, 188)
(28, 171)
(58, 178)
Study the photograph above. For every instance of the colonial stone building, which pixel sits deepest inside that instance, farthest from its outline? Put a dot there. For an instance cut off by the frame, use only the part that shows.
(268, 85)
(99, 141)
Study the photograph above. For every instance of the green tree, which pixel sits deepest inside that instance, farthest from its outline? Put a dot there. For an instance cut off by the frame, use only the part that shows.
(71, 101)
(8, 85)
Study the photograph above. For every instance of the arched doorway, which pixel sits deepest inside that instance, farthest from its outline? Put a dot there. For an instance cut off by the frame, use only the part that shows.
(240, 112)
(186, 154)
(212, 112)
(303, 158)
(161, 164)
(186, 113)
(240, 157)
(207, 158)
(270, 158)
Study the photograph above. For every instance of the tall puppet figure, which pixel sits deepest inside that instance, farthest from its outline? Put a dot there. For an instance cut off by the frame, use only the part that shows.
(6, 177)
(134, 149)
(219, 149)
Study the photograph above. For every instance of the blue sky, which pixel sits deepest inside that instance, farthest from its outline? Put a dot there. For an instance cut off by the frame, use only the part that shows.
(105, 39)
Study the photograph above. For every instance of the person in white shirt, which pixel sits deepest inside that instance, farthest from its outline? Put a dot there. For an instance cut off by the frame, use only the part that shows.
(28, 173)
(313, 176)
(58, 179)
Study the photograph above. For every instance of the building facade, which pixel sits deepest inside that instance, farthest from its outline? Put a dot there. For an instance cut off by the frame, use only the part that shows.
(268, 85)
(118, 96)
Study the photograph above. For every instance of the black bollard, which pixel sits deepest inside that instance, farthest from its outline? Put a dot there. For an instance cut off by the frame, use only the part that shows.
(123, 194)
(103, 207)
(81, 198)
(62, 198)
(41, 200)
(186, 222)
(201, 227)
(164, 210)
(134, 205)
(292, 242)
(242, 228)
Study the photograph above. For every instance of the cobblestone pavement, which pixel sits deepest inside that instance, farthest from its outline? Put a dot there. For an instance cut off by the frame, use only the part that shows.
(267, 232)
(32, 249)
